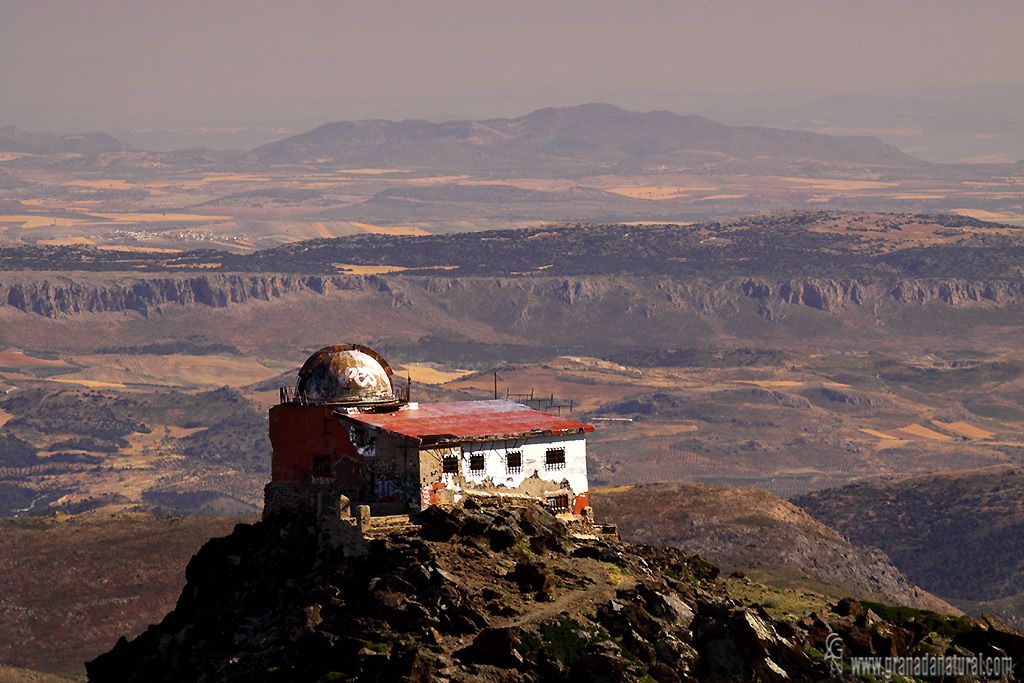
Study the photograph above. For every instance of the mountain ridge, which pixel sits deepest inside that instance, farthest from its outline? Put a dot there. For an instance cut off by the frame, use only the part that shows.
(595, 133)
(14, 139)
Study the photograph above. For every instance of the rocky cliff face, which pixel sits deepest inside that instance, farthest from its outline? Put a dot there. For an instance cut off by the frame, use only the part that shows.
(59, 295)
(492, 594)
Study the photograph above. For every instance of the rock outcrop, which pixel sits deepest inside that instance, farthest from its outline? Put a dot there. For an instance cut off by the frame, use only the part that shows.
(490, 594)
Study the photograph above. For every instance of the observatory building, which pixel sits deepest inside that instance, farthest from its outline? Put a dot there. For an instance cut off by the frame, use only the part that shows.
(347, 436)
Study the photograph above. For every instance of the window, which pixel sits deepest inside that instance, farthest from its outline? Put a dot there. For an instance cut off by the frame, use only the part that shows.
(329, 505)
(321, 467)
(554, 459)
(476, 463)
(450, 464)
(514, 462)
(559, 502)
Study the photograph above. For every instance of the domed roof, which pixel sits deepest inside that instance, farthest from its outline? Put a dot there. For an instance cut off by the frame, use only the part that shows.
(348, 374)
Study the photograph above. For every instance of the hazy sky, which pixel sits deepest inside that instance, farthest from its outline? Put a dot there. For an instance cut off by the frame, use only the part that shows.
(109, 64)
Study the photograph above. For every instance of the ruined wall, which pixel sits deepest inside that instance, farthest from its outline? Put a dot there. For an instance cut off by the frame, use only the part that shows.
(436, 487)
(390, 473)
(300, 436)
(486, 467)
(310, 501)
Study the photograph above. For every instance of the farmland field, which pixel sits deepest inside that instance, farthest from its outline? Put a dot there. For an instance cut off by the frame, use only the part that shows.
(787, 428)
(156, 201)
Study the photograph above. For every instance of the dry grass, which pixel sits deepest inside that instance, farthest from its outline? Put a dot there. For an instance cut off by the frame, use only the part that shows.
(102, 184)
(160, 217)
(380, 270)
(92, 383)
(236, 178)
(390, 229)
(964, 429)
(200, 182)
(655, 192)
(841, 185)
(373, 171)
(140, 445)
(176, 432)
(30, 221)
(19, 359)
(10, 674)
(783, 593)
(205, 371)
(196, 265)
(68, 241)
(146, 250)
(651, 223)
(980, 214)
(720, 196)
(920, 432)
(880, 435)
(614, 385)
(769, 383)
(368, 270)
(433, 180)
(431, 374)
(120, 370)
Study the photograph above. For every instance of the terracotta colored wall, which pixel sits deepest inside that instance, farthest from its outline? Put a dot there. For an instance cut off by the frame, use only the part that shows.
(300, 434)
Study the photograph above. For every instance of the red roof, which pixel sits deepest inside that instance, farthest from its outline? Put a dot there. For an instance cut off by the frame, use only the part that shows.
(468, 420)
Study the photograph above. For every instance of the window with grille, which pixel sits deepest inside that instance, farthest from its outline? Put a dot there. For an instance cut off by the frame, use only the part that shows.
(514, 462)
(450, 464)
(559, 502)
(554, 459)
(476, 463)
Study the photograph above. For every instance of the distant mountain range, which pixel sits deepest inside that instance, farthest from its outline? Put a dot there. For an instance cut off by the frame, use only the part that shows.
(13, 139)
(591, 133)
(584, 138)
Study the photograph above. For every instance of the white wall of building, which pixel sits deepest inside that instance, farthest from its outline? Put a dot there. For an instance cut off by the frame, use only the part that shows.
(534, 453)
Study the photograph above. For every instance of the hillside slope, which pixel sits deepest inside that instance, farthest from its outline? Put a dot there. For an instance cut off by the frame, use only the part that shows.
(73, 585)
(924, 523)
(752, 531)
(493, 594)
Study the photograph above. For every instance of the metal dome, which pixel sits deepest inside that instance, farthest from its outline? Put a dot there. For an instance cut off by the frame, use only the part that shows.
(348, 374)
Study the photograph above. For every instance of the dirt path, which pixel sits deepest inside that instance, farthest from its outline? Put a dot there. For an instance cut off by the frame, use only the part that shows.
(574, 602)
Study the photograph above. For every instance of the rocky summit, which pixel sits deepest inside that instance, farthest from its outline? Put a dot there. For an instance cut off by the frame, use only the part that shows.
(498, 594)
